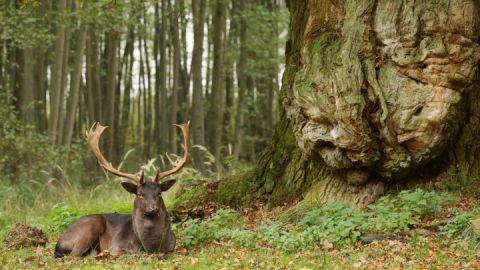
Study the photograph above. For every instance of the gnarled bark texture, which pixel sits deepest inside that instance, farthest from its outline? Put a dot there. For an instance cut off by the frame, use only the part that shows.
(376, 93)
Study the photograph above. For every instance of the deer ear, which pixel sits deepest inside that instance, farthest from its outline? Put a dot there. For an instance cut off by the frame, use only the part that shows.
(166, 185)
(132, 188)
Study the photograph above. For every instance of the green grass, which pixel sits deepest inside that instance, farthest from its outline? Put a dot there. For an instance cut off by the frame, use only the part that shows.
(325, 238)
(387, 255)
(39, 206)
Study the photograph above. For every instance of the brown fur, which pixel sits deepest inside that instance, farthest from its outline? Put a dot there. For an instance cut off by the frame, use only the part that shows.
(148, 228)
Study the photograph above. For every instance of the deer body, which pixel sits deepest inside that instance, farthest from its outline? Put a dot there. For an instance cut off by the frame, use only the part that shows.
(146, 229)
(118, 233)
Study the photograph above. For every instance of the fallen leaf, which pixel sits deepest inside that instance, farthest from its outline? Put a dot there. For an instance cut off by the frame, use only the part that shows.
(327, 244)
(182, 250)
(30, 258)
(193, 260)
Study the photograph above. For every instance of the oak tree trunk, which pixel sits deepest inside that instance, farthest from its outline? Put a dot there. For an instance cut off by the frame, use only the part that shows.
(376, 93)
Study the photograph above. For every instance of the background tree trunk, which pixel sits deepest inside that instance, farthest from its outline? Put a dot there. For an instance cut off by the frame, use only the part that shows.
(74, 87)
(218, 74)
(172, 132)
(56, 77)
(198, 127)
(239, 131)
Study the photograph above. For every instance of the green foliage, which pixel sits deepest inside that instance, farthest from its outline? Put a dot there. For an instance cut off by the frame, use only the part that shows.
(28, 157)
(398, 213)
(339, 223)
(32, 24)
(459, 225)
(281, 238)
(62, 216)
(196, 232)
(25, 26)
(336, 223)
(262, 24)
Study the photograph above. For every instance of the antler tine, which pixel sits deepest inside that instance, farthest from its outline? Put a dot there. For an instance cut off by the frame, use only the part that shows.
(177, 165)
(93, 138)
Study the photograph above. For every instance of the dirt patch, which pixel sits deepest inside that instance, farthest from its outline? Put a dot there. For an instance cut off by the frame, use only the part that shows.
(22, 235)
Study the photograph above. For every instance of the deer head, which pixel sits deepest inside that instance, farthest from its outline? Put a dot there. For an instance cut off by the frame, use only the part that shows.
(148, 200)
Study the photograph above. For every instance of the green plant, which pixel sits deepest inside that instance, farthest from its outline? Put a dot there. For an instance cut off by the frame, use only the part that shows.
(400, 212)
(62, 216)
(338, 222)
(459, 225)
(196, 232)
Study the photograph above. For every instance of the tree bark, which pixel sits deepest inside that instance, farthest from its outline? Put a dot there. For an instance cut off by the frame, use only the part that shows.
(148, 91)
(218, 74)
(75, 86)
(27, 93)
(112, 43)
(239, 131)
(350, 121)
(127, 88)
(41, 64)
(172, 132)
(61, 110)
(163, 78)
(56, 77)
(198, 127)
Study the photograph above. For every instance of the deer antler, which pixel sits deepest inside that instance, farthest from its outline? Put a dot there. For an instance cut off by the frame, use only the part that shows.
(178, 164)
(93, 138)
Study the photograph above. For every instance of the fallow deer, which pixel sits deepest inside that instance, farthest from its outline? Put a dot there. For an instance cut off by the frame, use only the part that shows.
(147, 228)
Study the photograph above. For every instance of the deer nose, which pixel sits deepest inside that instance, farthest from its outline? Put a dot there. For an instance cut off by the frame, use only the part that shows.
(151, 210)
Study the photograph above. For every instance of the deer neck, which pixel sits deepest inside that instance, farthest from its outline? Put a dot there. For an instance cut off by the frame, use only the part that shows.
(151, 230)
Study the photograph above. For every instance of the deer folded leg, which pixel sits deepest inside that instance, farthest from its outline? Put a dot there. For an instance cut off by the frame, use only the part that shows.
(81, 237)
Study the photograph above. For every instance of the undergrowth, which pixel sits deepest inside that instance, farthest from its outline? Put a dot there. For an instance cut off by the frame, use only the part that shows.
(334, 224)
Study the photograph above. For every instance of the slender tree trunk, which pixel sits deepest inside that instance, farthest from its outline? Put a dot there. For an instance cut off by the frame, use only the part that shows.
(61, 112)
(2, 62)
(98, 93)
(90, 85)
(163, 78)
(127, 88)
(112, 44)
(148, 92)
(41, 88)
(27, 97)
(208, 80)
(198, 128)
(231, 45)
(56, 77)
(218, 74)
(184, 75)
(156, 57)
(76, 77)
(175, 76)
(242, 85)
(143, 97)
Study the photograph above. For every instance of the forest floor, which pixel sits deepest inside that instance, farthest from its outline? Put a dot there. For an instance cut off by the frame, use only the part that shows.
(239, 239)
(420, 252)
